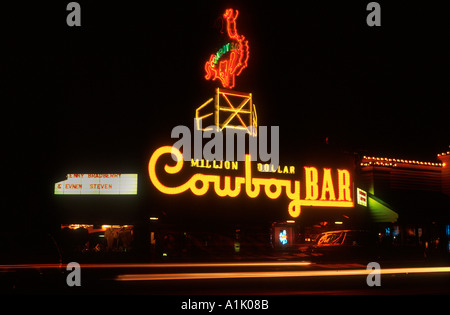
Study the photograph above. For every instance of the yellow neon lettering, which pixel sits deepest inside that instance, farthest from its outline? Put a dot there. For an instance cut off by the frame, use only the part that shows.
(248, 179)
(169, 169)
(294, 207)
(195, 163)
(326, 203)
(344, 185)
(273, 194)
(327, 185)
(227, 191)
(311, 178)
(204, 180)
(233, 165)
(199, 184)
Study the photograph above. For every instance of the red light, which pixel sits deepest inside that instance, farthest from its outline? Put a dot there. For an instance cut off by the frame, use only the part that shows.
(226, 69)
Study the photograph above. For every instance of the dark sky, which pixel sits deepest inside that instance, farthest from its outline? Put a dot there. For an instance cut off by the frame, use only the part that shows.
(103, 96)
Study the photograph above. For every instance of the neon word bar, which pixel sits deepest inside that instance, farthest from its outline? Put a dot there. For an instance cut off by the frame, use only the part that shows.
(199, 184)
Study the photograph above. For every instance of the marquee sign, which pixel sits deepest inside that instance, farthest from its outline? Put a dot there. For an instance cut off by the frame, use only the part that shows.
(97, 184)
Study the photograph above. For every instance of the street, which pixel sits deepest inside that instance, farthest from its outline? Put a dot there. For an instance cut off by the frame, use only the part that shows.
(228, 278)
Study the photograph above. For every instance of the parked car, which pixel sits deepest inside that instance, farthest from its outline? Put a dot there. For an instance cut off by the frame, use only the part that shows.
(344, 245)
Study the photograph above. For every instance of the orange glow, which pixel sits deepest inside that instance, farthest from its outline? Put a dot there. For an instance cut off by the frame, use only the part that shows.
(327, 203)
(388, 162)
(311, 178)
(199, 184)
(244, 112)
(262, 274)
(344, 185)
(226, 69)
(168, 169)
(327, 186)
(276, 274)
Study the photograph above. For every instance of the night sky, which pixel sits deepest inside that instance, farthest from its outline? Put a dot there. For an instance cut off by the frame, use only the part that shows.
(101, 97)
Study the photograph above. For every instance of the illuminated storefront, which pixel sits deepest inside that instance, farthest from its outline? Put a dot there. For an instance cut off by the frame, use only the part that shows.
(172, 207)
(95, 211)
(213, 212)
(409, 201)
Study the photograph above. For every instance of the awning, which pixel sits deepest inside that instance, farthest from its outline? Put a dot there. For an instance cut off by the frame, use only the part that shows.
(380, 211)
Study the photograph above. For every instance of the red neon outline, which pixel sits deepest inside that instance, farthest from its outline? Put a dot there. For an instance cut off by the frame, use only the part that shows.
(228, 69)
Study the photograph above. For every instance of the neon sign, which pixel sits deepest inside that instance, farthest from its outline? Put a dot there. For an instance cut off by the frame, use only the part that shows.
(226, 48)
(283, 237)
(235, 111)
(228, 113)
(199, 184)
(361, 197)
(226, 69)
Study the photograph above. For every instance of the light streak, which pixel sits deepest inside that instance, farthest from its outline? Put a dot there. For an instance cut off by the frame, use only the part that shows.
(160, 265)
(275, 274)
(232, 275)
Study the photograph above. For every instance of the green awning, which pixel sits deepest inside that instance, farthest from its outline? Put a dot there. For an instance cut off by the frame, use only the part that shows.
(380, 211)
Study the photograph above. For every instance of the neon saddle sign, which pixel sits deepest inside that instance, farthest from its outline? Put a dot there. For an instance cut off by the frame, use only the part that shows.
(229, 61)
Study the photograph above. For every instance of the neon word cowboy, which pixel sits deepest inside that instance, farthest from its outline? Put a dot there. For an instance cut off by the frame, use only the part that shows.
(199, 184)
